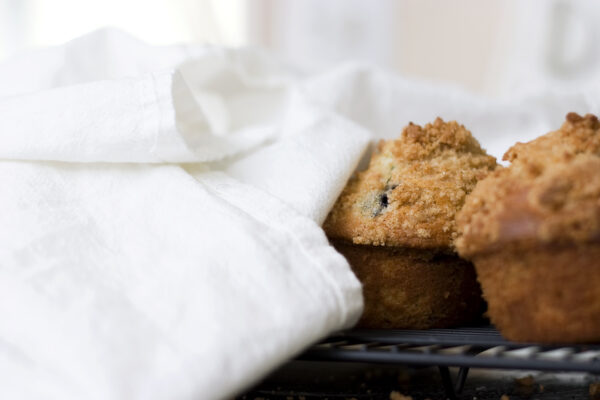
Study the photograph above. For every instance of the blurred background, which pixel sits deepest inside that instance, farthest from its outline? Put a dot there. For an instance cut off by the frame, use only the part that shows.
(491, 48)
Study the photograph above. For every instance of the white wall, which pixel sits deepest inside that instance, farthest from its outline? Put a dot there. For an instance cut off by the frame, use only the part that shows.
(490, 47)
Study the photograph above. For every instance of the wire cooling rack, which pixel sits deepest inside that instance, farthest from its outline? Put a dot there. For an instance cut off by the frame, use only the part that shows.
(480, 347)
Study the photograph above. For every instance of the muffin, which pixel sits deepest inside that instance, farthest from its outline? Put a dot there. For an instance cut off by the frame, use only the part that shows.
(533, 232)
(395, 223)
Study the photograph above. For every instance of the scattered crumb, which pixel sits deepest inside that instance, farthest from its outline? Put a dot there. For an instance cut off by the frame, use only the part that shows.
(504, 397)
(525, 381)
(525, 386)
(595, 390)
(403, 377)
(397, 396)
(541, 387)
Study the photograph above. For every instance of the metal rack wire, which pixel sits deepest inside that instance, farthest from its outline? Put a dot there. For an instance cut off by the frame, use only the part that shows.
(480, 347)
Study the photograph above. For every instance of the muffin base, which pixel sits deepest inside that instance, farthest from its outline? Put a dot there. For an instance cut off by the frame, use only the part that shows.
(407, 288)
(545, 294)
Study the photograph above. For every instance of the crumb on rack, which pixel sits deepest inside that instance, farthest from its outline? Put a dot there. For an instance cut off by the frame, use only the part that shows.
(398, 396)
(595, 390)
(525, 385)
(525, 381)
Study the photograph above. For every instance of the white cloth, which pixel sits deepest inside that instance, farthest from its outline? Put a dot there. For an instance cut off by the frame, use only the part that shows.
(383, 103)
(138, 282)
(125, 274)
(123, 277)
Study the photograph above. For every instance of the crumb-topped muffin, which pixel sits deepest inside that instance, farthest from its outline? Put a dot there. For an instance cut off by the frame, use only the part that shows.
(533, 232)
(395, 222)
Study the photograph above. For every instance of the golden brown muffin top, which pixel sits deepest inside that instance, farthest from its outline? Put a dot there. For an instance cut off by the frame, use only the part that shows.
(412, 189)
(549, 194)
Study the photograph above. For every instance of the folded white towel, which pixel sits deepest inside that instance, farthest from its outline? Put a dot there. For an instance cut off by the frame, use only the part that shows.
(121, 279)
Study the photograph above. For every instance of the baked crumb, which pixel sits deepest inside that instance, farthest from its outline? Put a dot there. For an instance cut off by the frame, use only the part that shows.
(549, 194)
(404, 377)
(504, 397)
(594, 390)
(525, 381)
(525, 386)
(412, 189)
(398, 396)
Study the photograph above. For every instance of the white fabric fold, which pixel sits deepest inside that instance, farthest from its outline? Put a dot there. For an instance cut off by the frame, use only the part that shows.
(122, 276)
(308, 166)
(383, 103)
(141, 282)
(101, 100)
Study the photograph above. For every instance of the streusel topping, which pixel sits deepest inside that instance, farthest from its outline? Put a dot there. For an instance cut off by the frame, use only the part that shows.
(412, 189)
